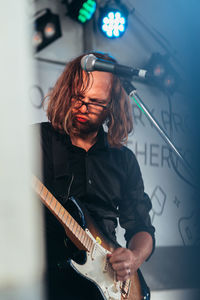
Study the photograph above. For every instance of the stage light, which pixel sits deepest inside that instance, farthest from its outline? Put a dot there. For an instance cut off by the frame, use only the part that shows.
(80, 10)
(157, 65)
(113, 19)
(46, 29)
(163, 74)
(49, 30)
(158, 70)
(37, 39)
(169, 81)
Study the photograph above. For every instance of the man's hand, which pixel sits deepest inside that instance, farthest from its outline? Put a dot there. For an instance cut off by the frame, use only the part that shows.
(125, 262)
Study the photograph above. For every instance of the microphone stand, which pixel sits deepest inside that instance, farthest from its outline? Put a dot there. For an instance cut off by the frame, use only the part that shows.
(132, 92)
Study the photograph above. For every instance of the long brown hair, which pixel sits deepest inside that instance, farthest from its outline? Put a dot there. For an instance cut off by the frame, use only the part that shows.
(119, 119)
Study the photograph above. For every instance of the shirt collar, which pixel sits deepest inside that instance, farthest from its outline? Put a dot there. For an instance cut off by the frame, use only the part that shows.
(101, 143)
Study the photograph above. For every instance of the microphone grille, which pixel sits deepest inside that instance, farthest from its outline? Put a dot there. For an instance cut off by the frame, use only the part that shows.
(87, 62)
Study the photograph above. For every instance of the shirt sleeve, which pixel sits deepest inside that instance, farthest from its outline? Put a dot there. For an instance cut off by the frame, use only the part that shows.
(135, 206)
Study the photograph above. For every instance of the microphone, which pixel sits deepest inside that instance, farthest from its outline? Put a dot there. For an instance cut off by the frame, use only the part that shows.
(91, 63)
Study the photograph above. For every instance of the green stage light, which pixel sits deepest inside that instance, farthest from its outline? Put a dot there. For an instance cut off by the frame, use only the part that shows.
(80, 10)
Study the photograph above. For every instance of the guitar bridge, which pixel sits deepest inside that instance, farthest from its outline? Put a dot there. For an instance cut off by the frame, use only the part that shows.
(125, 288)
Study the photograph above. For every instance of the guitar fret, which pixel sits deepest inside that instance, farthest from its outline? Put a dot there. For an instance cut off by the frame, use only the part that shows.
(42, 186)
(84, 238)
(44, 195)
(86, 241)
(82, 235)
(71, 224)
(77, 231)
(64, 217)
(55, 205)
(61, 211)
(43, 191)
(51, 200)
(52, 204)
(48, 198)
(75, 227)
(90, 244)
(57, 208)
(47, 193)
(68, 222)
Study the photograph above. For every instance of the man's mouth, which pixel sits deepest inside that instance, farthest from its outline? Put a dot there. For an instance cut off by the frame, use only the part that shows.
(81, 119)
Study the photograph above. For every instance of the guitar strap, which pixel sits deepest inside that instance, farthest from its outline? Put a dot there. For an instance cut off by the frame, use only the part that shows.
(63, 176)
(144, 286)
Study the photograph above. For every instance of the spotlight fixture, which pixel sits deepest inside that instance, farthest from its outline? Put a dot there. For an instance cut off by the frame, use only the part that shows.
(113, 19)
(46, 29)
(80, 10)
(162, 73)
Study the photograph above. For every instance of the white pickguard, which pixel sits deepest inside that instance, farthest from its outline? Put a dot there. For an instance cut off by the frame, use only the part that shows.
(99, 271)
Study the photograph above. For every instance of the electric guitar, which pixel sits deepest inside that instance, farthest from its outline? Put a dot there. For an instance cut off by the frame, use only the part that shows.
(96, 267)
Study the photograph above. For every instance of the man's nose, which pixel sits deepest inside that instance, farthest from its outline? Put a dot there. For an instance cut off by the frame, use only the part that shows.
(83, 108)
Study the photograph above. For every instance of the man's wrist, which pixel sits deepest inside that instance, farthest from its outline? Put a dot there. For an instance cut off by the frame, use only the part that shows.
(138, 257)
(141, 245)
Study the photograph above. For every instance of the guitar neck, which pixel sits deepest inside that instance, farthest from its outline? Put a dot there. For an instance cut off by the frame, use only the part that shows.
(73, 230)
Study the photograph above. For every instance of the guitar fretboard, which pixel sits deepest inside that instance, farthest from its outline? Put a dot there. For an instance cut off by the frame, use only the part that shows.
(73, 230)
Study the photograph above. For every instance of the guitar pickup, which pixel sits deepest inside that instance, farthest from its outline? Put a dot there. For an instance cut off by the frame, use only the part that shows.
(105, 265)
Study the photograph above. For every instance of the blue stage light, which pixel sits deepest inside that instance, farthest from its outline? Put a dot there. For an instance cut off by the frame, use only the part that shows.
(113, 22)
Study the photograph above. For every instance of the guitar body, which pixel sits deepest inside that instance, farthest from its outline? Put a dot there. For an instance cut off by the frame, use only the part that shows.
(94, 265)
(89, 249)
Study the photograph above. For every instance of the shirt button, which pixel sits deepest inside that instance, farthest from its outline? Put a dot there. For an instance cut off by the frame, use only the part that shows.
(89, 181)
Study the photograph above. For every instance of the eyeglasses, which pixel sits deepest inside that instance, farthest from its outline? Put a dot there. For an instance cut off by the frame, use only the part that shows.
(78, 103)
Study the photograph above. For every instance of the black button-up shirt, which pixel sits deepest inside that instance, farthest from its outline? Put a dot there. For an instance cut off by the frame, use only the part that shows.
(106, 179)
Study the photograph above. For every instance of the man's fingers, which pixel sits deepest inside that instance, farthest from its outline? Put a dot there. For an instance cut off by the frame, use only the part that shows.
(123, 272)
(120, 266)
(123, 275)
(119, 255)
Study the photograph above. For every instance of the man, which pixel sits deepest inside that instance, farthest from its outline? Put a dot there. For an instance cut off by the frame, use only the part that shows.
(81, 160)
